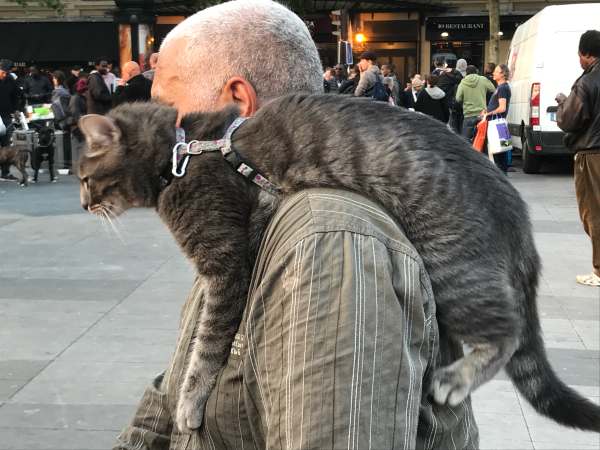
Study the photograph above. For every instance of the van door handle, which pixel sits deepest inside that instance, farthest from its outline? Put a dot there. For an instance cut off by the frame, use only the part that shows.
(552, 109)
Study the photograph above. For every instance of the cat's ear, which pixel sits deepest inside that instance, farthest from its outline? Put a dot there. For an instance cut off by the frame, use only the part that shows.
(101, 133)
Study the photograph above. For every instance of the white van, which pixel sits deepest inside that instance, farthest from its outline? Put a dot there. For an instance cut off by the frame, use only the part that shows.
(543, 61)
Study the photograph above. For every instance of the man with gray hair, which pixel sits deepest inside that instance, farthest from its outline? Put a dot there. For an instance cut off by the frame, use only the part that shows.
(338, 341)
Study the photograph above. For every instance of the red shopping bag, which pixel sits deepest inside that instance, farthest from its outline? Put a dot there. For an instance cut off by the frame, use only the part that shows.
(479, 141)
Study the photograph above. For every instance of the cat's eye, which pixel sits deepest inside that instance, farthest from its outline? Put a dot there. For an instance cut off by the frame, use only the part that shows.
(108, 189)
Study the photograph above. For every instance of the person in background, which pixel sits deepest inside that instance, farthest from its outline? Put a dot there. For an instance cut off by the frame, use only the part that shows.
(132, 86)
(388, 72)
(388, 84)
(110, 78)
(60, 108)
(461, 66)
(439, 66)
(152, 60)
(72, 79)
(471, 94)
(9, 99)
(99, 99)
(488, 72)
(37, 87)
(579, 116)
(409, 96)
(329, 84)
(450, 78)
(369, 74)
(349, 85)
(18, 74)
(498, 107)
(77, 109)
(339, 75)
(60, 100)
(77, 103)
(432, 100)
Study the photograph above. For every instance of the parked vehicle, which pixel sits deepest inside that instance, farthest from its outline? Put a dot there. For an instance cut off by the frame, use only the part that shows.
(543, 61)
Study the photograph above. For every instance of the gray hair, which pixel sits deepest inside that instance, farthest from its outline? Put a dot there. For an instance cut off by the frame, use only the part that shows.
(259, 40)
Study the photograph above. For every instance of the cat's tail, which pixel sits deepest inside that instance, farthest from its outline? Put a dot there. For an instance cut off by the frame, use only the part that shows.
(535, 379)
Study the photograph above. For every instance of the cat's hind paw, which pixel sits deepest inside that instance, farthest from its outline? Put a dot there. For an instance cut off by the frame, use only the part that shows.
(190, 412)
(452, 384)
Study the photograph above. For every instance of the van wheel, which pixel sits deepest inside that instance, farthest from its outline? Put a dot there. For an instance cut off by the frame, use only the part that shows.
(531, 163)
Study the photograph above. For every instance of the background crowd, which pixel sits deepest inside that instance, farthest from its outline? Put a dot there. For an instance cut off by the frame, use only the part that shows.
(71, 95)
(454, 93)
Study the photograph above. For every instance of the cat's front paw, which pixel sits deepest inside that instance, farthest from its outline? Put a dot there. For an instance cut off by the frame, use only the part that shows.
(190, 411)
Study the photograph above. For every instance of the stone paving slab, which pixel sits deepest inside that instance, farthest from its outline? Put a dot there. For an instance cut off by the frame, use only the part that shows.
(36, 344)
(42, 439)
(9, 388)
(543, 430)
(556, 227)
(81, 383)
(574, 367)
(72, 417)
(127, 344)
(18, 369)
(61, 289)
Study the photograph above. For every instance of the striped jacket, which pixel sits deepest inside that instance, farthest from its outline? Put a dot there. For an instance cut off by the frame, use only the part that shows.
(335, 351)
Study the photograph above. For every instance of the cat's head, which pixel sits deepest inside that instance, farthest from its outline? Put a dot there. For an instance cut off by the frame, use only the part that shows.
(126, 152)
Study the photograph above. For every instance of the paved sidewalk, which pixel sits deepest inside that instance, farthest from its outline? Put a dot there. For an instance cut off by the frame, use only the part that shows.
(87, 320)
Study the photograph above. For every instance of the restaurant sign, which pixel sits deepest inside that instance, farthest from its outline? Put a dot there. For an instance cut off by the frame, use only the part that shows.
(469, 28)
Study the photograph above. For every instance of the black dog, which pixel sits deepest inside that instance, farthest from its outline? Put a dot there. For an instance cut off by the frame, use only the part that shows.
(43, 151)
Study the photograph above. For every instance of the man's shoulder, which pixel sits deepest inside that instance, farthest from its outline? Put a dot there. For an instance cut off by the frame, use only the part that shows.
(589, 80)
(321, 211)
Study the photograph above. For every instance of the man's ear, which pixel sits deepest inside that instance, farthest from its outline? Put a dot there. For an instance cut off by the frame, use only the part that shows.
(101, 133)
(238, 90)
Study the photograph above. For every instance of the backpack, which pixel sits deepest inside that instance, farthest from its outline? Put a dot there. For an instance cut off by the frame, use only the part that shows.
(60, 107)
(58, 110)
(378, 92)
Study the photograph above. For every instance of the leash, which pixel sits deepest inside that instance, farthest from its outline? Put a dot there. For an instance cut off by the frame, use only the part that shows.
(183, 151)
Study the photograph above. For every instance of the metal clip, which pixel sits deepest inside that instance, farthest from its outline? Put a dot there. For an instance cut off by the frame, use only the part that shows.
(176, 169)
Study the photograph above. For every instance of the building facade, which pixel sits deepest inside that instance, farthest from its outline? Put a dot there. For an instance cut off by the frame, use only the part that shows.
(407, 34)
(86, 31)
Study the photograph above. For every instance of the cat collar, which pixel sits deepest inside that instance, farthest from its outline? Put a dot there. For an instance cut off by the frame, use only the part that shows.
(182, 152)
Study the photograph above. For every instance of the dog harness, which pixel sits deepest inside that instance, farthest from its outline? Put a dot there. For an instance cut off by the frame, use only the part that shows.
(182, 151)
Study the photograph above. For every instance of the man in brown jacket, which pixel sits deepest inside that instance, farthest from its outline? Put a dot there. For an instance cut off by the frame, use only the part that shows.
(579, 116)
(339, 338)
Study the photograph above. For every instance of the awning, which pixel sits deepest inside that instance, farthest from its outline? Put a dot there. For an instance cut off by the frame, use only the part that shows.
(373, 5)
(188, 7)
(58, 41)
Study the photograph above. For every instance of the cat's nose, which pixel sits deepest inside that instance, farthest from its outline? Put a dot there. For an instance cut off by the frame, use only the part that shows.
(84, 206)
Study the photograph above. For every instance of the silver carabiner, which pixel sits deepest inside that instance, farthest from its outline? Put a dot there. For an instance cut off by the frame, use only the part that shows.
(176, 170)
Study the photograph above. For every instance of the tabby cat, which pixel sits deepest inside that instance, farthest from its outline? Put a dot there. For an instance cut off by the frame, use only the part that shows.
(468, 223)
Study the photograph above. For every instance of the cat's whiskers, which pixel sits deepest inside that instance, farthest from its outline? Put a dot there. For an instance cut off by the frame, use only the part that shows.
(107, 215)
(98, 213)
(114, 213)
